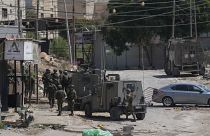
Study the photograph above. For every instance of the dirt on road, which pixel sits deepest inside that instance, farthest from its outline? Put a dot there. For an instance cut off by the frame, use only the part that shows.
(159, 121)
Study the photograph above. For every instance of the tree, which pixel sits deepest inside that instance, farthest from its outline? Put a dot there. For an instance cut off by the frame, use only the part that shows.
(136, 24)
(59, 47)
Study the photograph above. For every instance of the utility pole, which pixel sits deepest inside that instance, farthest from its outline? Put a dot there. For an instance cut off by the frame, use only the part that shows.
(73, 33)
(173, 20)
(191, 33)
(195, 17)
(67, 31)
(37, 20)
(19, 20)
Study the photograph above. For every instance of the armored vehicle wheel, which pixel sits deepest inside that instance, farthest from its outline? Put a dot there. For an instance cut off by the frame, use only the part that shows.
(175, 72)
(208, 102)
(167, 69)
(194, 73)
(202, 71)
(140, 116)
(88, 112)
(115, 113)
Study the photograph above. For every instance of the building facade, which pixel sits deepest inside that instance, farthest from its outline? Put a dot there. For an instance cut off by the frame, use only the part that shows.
(8, 10)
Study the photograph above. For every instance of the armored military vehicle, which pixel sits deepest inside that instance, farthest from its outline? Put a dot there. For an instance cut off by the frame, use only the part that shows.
(184, 55)
(108, 95)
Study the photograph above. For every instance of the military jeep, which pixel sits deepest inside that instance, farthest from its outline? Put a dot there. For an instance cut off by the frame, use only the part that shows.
(109, 96)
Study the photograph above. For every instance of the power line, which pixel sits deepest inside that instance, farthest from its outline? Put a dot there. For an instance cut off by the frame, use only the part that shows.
(136, 19)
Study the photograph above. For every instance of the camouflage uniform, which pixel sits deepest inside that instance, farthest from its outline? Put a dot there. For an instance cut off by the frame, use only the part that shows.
(51, 93)
(129, 106)
(11, 79)
(60, 96)
(66, 81)
(55, 77)
(61, 77)
(46, 79)
(31, 87)
(71, 96)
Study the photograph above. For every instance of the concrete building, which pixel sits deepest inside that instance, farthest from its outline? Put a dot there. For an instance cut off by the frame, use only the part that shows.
(8, 11)
(83, 9)
(100, 11)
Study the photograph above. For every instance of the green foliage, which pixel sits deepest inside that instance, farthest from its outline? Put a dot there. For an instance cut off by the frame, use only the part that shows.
(1, 125)
(59, 47)
(30, 14)
(30, 35)
(150, 20)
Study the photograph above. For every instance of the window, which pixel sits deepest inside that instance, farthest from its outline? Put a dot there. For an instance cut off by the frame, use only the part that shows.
(51, 15)
(42, 15)
(51, 9)
(194, 89)
(10, 11)
(4, 13)
(180, 87)
(42, 8)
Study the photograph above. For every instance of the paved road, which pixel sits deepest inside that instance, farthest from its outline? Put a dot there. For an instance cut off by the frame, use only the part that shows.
(159, 121)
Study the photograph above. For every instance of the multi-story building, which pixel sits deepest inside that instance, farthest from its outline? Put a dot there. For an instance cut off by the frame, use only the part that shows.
(8, 10)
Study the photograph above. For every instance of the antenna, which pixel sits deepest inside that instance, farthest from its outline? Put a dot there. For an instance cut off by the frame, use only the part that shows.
(173, 20)
(191, 33)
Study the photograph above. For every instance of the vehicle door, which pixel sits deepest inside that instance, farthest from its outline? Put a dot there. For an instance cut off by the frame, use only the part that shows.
(197, 95)
(180, 94)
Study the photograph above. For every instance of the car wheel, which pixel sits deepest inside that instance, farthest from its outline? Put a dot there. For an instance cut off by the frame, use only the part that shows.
(88, 112)
(115, 113)
(140, 116)
(167, 101)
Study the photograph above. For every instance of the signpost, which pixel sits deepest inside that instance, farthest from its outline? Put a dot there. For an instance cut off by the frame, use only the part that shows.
(18, 50)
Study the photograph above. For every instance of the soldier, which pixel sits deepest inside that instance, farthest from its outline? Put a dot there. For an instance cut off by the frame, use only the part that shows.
(11, 79)
(31, 87)
(71, 96)
(51, 89)
(61, 77)
(66, 81)
(129, 105)
(45, 79)
(55, 77)
(60, 96)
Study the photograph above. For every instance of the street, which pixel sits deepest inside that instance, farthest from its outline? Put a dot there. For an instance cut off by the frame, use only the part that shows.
(159, 121)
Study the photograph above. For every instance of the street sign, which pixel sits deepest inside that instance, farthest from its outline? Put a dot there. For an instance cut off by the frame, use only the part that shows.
(18, 50)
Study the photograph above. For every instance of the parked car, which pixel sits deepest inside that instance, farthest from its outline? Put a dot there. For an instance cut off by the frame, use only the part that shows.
(182, 93)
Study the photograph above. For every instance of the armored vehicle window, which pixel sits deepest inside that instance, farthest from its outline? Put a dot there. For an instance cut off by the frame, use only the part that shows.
(131, 86)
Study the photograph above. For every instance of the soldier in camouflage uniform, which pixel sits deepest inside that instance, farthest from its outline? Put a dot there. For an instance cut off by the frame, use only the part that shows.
(71, 96)
(46, 79)
(11, 79)
(60, 96)
(129, 105)
(66, 81)
(52, 88)
(55, 77)
(60, 77)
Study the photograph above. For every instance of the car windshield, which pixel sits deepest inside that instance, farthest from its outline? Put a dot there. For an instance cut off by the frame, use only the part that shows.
(204, 87)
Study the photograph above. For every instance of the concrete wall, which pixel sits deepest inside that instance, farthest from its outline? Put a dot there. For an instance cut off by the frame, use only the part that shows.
(131, 59)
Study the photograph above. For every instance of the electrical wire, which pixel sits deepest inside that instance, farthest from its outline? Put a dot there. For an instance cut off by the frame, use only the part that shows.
(136, 19)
